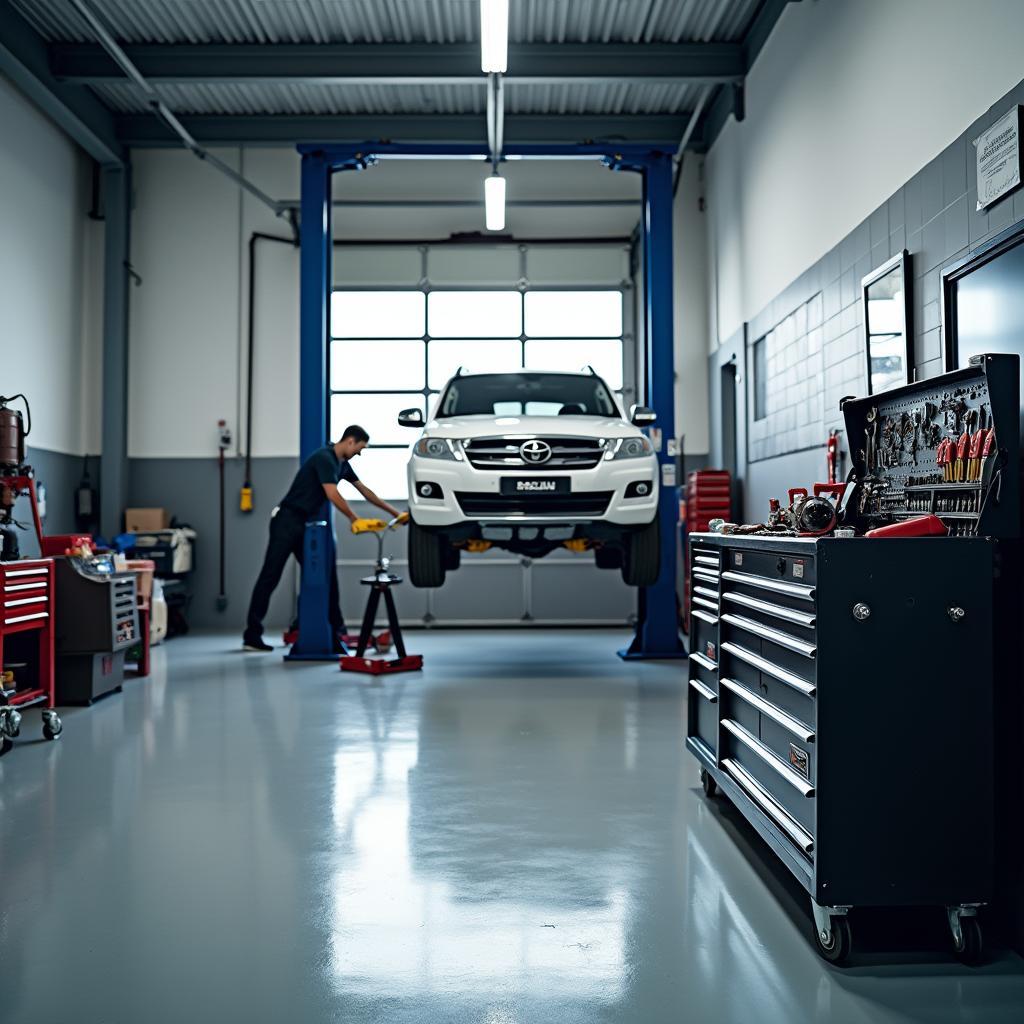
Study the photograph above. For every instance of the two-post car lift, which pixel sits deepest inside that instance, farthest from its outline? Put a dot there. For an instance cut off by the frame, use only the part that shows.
(657, 633)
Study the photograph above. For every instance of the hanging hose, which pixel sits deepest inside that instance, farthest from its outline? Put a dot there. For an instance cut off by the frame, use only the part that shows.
(245, 497)
(224, 444)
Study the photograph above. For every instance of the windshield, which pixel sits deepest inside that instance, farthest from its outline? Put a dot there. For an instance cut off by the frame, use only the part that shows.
(526, 394)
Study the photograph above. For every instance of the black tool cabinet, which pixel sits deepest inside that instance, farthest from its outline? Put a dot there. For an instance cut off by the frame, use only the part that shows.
(840, 695)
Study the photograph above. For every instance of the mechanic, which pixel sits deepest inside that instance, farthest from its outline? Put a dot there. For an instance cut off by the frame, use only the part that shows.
(317, 479)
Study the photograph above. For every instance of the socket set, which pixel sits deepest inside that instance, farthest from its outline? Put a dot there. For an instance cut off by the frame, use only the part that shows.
(947, 446)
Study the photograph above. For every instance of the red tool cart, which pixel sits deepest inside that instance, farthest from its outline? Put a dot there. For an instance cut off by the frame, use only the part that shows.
(708, 496)
(26, 646)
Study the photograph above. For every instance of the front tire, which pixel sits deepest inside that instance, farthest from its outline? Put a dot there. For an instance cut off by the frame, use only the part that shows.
(426, 557)
(642, 556)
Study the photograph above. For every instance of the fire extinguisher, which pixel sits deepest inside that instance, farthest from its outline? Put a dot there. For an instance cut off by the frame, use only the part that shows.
(832, 456)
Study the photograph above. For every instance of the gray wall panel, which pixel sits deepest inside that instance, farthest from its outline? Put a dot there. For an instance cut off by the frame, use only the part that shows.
(187, 488)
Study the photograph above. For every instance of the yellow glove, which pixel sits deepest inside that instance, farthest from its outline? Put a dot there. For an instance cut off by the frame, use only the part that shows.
(401, 519)
(368, 525)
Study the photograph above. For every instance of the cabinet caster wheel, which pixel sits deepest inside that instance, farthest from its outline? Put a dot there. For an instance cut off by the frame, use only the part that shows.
(709, 785)
(52, 726)
(10, 723)
(969, 947)
(835, 946)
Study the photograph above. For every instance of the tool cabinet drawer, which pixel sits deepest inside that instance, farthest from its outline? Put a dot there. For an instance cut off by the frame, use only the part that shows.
(774, 566)
(704, 637)
(25, 593)
(789, 788)
(704, 670)
(703, 716)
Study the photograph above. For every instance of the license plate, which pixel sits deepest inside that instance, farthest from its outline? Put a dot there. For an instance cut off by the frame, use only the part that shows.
(534, 485)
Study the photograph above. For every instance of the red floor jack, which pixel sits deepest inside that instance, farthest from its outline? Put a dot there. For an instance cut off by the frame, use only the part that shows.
(380, 583)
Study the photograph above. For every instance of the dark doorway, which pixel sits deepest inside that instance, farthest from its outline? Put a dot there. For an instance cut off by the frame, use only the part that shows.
(729, 446)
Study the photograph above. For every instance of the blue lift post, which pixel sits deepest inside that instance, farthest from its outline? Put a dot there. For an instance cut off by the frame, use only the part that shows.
(657, 631)
(315, 642)
(657, 634)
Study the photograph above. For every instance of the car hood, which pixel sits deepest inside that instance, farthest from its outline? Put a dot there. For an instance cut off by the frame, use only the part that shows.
(467, 427)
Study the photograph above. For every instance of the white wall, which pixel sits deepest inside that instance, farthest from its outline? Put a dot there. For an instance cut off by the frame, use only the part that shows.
(51, 279)
(689, 308)
(847, 101)
(190, 231)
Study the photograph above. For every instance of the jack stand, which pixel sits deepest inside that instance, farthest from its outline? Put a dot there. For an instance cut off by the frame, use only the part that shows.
(380, 583)
(315, 641)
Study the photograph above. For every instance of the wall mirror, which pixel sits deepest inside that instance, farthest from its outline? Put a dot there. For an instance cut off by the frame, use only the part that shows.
(889, 340)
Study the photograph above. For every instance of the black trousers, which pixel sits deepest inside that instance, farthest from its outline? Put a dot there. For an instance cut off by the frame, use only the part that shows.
(287, 534)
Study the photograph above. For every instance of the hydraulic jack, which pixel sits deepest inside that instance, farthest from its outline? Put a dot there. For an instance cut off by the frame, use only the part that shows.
(380, 584)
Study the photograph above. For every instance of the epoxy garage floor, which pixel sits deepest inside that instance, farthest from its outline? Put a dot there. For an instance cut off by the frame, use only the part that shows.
(514, 835)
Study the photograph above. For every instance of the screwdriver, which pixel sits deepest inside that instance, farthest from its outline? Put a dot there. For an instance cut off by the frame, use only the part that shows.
(986, 449)
(972, 455)
(942, 457)
(961, 452)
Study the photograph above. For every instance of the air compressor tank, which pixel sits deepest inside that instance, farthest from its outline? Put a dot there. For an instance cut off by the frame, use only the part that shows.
(12, 434)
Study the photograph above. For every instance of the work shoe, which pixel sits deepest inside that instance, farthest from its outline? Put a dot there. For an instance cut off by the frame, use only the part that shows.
(258, 644)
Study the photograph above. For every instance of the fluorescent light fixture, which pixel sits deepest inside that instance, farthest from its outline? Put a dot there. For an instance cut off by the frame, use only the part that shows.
(494, 36)
(494, 202)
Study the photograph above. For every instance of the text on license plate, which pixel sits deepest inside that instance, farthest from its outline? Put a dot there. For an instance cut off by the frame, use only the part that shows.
(534, 485)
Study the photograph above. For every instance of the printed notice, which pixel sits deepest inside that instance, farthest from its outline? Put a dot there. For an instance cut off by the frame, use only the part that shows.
(998, 157)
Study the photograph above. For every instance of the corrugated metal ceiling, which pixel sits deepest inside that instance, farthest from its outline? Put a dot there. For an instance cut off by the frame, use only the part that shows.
(380, 21)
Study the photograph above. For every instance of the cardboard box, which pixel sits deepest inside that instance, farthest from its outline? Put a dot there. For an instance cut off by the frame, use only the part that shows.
(142, 520)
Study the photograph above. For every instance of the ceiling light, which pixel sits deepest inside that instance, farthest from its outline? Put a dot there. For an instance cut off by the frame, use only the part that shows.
(494, 36)
(494, 202)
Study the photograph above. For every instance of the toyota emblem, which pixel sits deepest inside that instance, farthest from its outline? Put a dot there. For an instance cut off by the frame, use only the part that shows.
(535, 452)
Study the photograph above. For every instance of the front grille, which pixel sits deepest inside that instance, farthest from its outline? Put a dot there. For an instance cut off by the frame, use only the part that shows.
(503, 453)
(584, 503)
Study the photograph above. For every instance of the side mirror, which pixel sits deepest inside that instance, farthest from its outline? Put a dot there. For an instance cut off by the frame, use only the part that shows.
(641, 416)
(411, 418)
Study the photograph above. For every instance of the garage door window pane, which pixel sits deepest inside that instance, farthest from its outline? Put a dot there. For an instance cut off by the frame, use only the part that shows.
(475, 314)
(603, 354)
(391, 314)
(383, 470)
(475, 356)
(378, 414)
(370, 364)
(574, 314)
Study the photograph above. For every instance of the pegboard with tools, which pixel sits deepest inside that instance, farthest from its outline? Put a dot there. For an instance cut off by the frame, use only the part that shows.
(947, 446)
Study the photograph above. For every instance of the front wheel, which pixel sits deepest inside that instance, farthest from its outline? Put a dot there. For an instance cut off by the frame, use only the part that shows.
(426, 557)
(642, 556)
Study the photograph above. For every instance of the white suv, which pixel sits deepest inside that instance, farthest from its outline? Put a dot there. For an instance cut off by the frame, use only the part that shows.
(531, 462)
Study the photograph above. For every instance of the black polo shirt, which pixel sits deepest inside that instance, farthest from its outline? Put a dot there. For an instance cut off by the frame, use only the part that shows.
(305, 497)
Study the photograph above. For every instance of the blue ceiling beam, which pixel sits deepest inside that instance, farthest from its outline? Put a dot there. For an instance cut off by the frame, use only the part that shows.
(403, 64)
(145, 131)
(24, 59)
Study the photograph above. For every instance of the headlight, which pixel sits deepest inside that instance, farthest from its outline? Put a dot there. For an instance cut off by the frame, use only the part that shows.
(629, 448)
(437, 448)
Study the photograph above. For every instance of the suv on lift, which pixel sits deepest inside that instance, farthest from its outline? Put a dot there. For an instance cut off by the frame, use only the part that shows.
(531, 462)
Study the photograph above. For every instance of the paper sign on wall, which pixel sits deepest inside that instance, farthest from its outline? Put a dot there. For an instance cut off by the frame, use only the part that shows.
(997, 152)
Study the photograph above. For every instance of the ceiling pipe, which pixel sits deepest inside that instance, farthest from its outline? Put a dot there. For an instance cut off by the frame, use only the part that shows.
(157, 105)
(691, 126)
